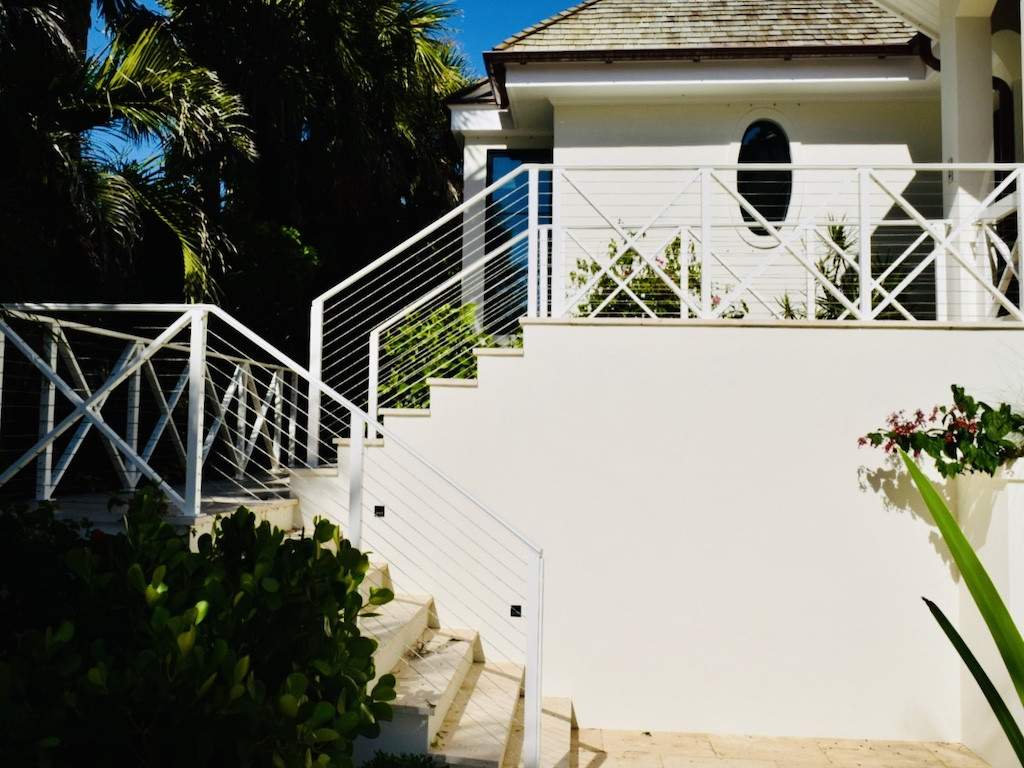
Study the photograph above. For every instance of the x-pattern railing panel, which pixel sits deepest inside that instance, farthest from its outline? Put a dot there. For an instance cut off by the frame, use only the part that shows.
(881, 211)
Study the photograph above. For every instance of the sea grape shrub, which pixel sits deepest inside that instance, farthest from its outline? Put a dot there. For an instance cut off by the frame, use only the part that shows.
(967, 436)
(132, 649)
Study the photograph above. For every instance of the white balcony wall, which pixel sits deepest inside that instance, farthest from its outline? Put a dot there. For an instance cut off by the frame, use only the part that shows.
(721, 557)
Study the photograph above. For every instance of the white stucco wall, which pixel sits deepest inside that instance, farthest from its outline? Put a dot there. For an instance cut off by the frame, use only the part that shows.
(869, 132)
(720, 555)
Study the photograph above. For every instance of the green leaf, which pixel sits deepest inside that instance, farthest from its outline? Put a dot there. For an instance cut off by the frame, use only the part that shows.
(380, 596)
(65, 632)
(270, 584)
(241, 669)
(322, 713)
(135, 578)
(1005, 633)
(186, 641)
(202, 608)
(207, 684)
(999, 708)
(324, 531)
(296, 683)
(158, 575)
(325, 735)
(288, 706)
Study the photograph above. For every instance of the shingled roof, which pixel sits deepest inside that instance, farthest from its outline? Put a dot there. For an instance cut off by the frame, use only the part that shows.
(624, 25)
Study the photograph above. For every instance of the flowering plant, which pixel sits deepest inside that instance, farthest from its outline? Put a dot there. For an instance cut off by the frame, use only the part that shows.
(967, 436)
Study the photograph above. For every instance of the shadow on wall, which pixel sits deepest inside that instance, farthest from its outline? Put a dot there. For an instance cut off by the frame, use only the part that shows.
(891, 482)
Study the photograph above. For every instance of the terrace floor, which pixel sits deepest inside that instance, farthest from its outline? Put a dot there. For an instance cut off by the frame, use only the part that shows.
(634, 749)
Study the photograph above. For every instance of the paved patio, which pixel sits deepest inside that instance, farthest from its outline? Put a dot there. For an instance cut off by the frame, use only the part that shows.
(608, 749)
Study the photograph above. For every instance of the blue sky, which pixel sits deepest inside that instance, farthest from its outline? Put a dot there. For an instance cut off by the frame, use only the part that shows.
(480, 25)
(483, 24)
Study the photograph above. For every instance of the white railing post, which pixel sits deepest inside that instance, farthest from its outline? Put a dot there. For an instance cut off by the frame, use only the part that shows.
(196, 409)
(810, 281)
(705, 244)
(557, 250)
(132, 416)
(316, 361)
(941, 281)
(47, 408)
(373, 389)
(545, 294)
(533, 222)
(864, 240)
(293, 417)
(1017, 249)
(533, 693)
(3, 343)
(355, 479)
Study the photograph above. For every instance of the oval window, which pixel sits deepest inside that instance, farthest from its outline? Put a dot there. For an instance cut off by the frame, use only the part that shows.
(767, 192)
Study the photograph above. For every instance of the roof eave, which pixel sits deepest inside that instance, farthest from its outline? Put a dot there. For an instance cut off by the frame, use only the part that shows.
(497, 61)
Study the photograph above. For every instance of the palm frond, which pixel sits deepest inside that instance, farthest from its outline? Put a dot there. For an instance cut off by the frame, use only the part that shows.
(149, 85)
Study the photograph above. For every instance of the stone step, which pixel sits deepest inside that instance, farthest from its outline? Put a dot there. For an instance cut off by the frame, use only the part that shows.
(453, 383)
(404, 413)
(557, 722)
(396, 627)
(476, 731)
(499, 352)
(432, 672)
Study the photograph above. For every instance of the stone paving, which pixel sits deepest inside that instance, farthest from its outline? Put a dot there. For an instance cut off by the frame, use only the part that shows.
(633, 749)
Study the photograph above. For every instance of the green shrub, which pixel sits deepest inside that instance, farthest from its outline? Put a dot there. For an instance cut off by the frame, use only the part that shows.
(435, 345)
(967, 436)
(134, 650)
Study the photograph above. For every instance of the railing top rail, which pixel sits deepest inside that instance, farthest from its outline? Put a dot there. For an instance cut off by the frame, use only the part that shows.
(966, 167)
(288, 363)
(17, 310)
(476, 199)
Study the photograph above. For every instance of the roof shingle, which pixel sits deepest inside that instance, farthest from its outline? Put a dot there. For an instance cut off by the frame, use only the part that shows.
(610, 25)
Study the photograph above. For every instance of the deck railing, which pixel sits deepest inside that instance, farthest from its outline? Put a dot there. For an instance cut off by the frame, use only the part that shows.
(100, 398)
(770, 242)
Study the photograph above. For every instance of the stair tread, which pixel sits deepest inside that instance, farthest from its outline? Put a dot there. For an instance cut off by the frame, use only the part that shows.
(391, 621)
(479, 723)
(404, 412)
(557, 722)
(431, 668)
(455, 383)
(499, 352)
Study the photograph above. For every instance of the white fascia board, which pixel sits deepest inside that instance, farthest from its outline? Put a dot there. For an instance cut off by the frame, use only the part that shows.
(474, 119)
(673, 75)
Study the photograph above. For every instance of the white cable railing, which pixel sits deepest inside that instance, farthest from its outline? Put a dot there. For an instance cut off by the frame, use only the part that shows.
(757, 242)
(195, 403)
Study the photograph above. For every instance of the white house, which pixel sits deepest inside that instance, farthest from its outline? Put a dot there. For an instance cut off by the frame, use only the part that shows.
(599, 423)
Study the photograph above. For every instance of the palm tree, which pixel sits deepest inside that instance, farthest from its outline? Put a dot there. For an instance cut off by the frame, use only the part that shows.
(67, 119)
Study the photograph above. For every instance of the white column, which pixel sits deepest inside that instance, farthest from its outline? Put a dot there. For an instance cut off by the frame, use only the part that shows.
(47, 408)
(196, 409)
(473, 230)
(966, 54)
(316, 357)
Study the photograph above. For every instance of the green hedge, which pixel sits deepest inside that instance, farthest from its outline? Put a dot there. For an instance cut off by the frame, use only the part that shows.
(132, 650)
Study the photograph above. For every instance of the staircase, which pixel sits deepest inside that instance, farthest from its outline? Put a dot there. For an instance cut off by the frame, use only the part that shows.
(453, 702)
